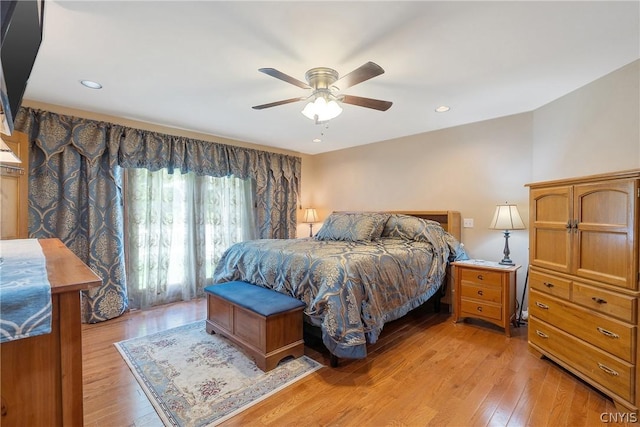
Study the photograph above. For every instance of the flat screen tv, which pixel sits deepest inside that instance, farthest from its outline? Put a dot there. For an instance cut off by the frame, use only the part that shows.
(20, 38)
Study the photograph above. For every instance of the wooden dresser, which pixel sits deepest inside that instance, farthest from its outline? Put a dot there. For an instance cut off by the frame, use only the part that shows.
(583, 300)
(41, 376)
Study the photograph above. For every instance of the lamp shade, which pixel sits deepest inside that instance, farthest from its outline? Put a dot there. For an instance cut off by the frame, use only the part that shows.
(310, 215)
(507, 217)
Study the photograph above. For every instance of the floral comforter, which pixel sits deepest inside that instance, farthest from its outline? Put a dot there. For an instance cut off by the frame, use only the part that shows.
(351, 289)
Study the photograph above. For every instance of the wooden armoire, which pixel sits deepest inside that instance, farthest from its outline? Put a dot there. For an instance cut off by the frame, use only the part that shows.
(14, 189)
(583, 300)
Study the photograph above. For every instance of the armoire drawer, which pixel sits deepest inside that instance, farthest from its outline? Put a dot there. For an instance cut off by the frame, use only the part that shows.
(614, 304)
(609, 371)
(611, 335)
(552, 285)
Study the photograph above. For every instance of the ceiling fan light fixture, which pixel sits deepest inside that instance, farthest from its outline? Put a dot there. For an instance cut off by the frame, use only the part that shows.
(322, 111)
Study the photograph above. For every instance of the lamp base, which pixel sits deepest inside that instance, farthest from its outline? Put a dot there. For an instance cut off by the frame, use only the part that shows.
(506, 260)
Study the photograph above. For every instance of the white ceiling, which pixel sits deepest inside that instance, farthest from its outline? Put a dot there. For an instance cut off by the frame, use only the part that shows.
(194, 65)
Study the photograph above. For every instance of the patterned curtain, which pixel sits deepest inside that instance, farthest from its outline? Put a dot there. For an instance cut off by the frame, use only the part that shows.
(76, 193)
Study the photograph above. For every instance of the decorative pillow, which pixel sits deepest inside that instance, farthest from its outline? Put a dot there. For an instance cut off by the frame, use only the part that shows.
(353, 226)
(423, 230)
(409, 227)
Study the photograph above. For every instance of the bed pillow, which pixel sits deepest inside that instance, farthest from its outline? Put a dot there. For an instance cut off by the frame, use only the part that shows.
(353, 226)
(409, 227)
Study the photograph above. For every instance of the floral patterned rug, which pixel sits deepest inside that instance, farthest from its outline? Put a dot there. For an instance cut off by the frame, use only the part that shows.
(196, 379)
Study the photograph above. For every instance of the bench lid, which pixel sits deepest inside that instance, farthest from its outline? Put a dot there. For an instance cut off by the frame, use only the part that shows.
(263, 301)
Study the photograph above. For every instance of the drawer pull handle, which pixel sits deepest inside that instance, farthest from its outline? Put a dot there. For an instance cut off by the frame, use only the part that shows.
(608, 370)
(480, 293)
(479, 309)
(480, 277)
(541, 334)
(599, 300)
(607, 333)
(548, 285)
(542, 306)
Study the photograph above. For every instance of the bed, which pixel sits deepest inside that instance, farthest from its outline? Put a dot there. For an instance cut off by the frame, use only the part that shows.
(360, 271)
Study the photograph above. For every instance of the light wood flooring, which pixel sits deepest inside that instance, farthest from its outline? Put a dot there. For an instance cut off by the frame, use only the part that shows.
(424, 371)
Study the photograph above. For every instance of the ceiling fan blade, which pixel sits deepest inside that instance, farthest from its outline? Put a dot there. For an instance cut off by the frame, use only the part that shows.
(275, 104)
(359, 75)
(284, 77)
(376, 104)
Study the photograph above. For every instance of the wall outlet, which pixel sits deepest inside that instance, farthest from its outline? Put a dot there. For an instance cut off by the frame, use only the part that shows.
(467, 223)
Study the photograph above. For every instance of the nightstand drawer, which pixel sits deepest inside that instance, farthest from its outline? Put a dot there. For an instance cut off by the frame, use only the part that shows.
(614, 304)
(611, 372)
(480, 276)
(610, 335)
(482, 293)
(481, 310)
(549, 284)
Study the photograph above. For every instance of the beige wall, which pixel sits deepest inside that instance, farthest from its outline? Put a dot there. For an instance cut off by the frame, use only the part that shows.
(468, 168)
(594, 129)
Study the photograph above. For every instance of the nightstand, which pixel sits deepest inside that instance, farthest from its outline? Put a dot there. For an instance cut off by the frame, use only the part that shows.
(485, 290)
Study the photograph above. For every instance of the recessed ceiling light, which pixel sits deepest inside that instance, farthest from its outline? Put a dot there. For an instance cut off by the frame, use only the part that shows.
(90, 84)
(442, 109)
(317, 140)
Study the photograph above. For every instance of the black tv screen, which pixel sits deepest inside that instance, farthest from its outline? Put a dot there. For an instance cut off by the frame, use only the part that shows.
(21, 39)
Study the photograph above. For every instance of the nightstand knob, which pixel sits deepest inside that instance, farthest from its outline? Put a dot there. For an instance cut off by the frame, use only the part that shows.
(480, 277)
(479, 309)
(548, 285)
(480, 293)
(599, 300)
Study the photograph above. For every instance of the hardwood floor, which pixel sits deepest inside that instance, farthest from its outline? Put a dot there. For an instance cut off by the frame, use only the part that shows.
(424, 371)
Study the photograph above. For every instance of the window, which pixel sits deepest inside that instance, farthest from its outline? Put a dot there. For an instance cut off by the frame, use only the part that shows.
(177, 227)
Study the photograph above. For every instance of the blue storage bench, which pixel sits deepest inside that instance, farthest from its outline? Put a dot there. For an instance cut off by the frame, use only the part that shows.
(266, 323)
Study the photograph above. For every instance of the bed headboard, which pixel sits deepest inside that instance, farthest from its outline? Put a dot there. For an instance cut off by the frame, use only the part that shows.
(450, 220)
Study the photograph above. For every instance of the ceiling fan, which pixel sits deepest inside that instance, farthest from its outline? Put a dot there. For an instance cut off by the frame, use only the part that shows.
(326, 87)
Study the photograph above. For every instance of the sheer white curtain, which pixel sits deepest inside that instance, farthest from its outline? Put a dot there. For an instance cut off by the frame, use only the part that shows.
(177, 227)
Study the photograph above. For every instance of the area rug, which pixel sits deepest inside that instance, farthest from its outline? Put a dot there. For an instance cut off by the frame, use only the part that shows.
(193, 378)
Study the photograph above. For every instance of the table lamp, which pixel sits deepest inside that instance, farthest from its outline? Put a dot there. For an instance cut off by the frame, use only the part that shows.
(506, 218)
(310, 216)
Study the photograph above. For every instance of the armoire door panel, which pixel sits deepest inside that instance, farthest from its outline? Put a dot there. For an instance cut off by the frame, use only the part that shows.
(550, 235)
(604, 236)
